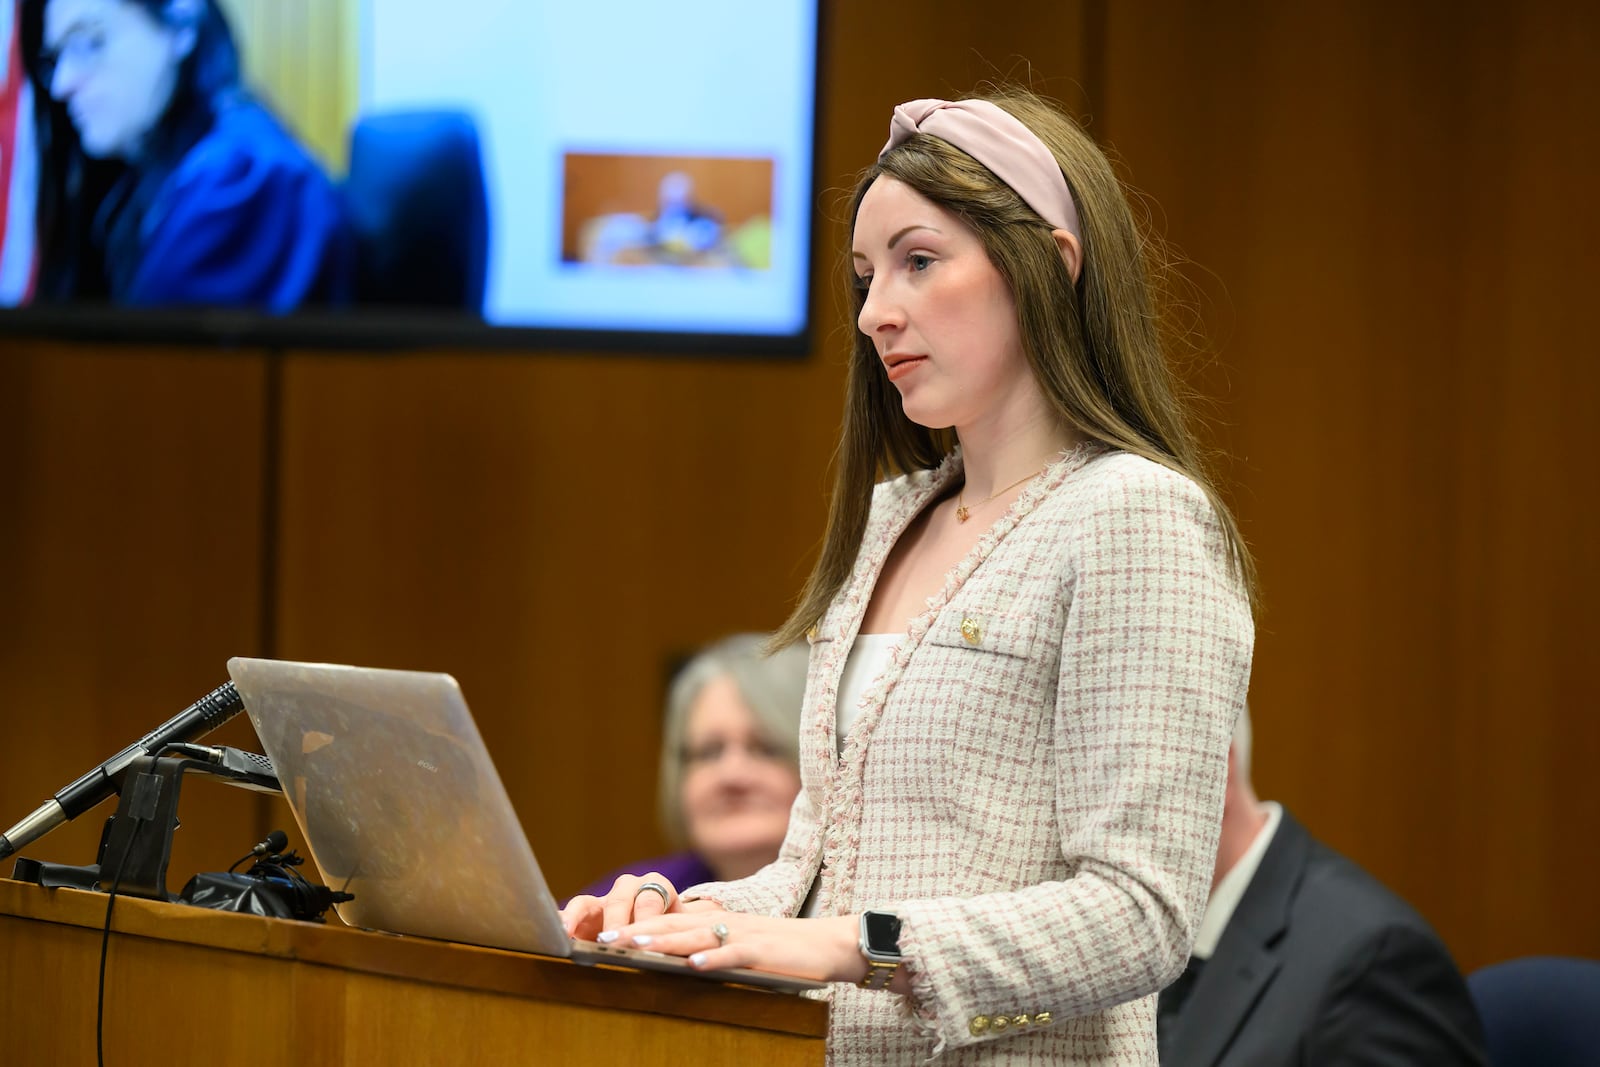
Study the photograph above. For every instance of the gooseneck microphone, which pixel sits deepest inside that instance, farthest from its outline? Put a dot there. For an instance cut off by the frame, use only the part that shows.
(197, 720)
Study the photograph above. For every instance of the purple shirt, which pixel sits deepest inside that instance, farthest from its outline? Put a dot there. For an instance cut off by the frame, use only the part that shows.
(682, 869)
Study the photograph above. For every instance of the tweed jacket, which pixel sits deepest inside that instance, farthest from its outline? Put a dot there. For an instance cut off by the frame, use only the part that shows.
(1035, 782)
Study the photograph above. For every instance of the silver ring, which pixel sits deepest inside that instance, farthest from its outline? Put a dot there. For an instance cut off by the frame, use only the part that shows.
(658, 888)
(721, 932)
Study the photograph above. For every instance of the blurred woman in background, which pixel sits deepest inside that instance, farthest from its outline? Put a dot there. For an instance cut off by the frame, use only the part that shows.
(728, 761)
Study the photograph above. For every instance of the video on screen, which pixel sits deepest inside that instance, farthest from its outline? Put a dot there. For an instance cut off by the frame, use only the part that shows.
(621, 167)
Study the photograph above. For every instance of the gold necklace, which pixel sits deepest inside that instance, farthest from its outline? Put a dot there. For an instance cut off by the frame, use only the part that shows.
(963, 513)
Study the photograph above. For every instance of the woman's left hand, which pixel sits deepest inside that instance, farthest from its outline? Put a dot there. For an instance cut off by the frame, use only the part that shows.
(826, 949)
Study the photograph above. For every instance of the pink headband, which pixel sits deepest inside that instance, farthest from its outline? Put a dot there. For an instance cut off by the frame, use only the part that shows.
(1000, 141)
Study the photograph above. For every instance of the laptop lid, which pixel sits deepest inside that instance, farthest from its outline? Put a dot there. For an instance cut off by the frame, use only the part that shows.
(400, 804)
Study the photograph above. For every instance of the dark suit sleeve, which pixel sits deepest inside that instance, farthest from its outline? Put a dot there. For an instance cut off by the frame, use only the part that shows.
(241, 229)
(1402, 1002)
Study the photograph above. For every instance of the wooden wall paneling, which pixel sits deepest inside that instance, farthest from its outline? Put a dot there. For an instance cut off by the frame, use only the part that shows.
(553, 532)
(130, 571)
(1525, 561)
(1378, 200)
(556, 529)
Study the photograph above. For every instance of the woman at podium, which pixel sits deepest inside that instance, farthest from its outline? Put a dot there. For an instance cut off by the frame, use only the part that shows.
(1029, 639)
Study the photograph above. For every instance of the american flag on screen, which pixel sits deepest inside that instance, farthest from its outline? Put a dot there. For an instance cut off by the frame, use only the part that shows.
(18, 165)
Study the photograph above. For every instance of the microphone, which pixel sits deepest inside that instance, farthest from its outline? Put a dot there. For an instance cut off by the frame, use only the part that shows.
(72, 800)
(274, 843)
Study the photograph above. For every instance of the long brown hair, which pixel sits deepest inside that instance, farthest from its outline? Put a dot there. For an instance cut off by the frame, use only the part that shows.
(1095, 347)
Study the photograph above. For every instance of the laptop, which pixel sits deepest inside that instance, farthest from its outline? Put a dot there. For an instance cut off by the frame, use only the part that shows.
(400, 805)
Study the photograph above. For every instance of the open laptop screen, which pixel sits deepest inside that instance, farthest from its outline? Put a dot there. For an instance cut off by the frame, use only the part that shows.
(400, 804)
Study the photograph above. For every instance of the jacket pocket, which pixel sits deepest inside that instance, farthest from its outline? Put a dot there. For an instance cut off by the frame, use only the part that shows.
(999, 632)
(995, 745)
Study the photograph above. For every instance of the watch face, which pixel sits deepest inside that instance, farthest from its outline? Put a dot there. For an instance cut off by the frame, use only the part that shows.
(882, 930)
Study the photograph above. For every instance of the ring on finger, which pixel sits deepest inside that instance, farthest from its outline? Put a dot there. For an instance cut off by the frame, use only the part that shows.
(720, 930)
(654, 887)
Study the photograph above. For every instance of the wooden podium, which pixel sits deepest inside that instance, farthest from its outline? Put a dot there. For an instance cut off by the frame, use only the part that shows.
(189, 986)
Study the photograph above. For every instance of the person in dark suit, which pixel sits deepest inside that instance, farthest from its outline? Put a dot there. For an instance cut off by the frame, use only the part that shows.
(1302, 957)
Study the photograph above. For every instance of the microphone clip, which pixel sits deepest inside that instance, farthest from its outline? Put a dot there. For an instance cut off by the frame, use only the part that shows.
(248, 770)
(136, 847)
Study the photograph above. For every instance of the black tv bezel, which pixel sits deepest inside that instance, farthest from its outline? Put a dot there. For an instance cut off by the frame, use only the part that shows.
(370, 329)
(379, 328)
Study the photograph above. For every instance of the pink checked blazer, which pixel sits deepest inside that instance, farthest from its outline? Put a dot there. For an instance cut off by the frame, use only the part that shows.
(1035, 783)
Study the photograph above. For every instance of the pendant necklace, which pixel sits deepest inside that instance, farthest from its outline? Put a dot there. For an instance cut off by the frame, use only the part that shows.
(963, 513)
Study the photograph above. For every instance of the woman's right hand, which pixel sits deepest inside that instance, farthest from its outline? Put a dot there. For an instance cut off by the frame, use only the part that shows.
(586, 917)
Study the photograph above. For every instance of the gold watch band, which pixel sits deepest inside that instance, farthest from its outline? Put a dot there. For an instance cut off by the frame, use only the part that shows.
(878, 975)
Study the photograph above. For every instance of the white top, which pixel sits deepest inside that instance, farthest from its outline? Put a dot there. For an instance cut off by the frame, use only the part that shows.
(864, 666)
(1229, 891)
(868, 657)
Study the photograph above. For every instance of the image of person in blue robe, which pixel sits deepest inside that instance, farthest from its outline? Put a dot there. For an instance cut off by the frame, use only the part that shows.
(162, 182)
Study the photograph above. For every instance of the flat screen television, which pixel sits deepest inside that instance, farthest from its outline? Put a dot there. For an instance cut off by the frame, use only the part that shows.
(393, 172)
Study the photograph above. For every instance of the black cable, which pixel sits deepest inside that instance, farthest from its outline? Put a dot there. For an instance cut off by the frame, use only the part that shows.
(105, 945)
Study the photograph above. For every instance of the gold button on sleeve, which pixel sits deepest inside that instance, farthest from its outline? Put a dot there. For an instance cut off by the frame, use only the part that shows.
(1042, 1019)
(1019, 1020)
(978, 1026)
(970, 631)
(999, 1024)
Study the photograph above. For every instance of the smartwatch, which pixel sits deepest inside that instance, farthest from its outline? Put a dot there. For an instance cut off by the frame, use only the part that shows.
(880, 944)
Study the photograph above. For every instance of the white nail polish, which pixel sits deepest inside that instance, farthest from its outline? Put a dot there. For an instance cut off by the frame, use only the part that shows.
(643, 939)
(605, 937)
(698, 959)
